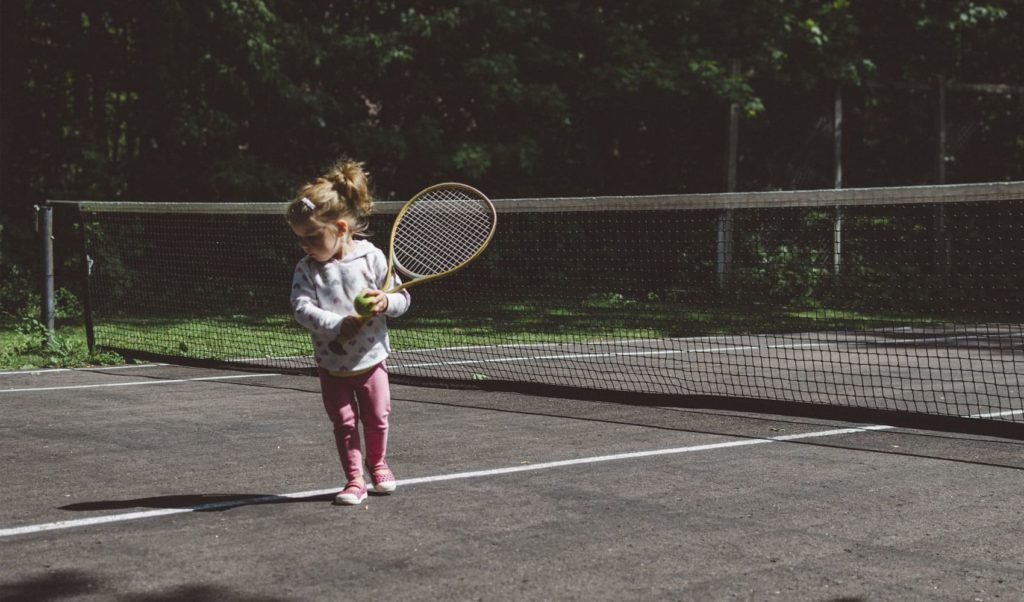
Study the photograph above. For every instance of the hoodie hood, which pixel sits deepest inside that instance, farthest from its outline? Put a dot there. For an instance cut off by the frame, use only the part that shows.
(361, 249)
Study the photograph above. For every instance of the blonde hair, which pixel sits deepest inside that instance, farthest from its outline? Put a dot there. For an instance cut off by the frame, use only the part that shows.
(343, 193)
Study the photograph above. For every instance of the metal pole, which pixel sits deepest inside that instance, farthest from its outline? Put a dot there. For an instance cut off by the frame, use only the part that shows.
(837, 135)
(725, 225)
(837, 151)
(940, 159)
(732, 156)
(725, 218)
(44, 216)
(943, 248)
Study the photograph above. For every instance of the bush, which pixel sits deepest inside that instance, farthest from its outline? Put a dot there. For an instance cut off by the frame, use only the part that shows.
(16, 291)
(25, 347)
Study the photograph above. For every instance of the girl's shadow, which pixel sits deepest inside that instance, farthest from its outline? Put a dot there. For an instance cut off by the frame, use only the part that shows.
(206, 502)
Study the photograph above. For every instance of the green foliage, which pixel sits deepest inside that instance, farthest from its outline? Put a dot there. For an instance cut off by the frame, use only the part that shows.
(66, 305)
(25, 346)
(241, 100)
(15, 289)
(787, 275)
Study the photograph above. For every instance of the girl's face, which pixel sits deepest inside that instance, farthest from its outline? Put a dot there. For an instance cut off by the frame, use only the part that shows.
(322, 242)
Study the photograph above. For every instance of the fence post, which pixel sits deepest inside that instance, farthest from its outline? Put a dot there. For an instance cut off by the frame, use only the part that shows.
(941, 242)
(837, 151)
(44, 226)
(725, 218)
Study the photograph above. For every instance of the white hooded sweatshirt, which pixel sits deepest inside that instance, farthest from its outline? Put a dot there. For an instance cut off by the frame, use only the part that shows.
(323, 294)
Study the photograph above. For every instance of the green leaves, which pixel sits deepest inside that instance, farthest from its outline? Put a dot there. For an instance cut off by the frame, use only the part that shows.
(243, 99)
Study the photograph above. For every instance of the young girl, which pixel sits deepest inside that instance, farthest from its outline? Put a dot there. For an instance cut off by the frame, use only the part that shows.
(327, 214)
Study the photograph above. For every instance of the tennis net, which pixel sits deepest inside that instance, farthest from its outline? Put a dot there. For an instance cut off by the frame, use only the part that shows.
(907, 300)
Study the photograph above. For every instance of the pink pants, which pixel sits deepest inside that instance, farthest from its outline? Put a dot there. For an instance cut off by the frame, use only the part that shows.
(364, 398)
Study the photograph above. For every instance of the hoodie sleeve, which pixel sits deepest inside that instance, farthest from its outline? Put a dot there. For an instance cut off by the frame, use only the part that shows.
(307, 313)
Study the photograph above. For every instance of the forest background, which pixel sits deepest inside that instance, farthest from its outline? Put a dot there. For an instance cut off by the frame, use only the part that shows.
(241, 100)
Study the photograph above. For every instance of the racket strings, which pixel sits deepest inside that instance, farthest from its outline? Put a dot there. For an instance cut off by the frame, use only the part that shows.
(441, 231)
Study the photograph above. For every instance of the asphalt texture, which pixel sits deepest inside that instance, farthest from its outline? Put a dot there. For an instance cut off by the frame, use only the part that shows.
(161, 483)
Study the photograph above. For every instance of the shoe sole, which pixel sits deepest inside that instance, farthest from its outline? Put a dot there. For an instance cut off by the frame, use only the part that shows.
(386, 487)
(348, 500)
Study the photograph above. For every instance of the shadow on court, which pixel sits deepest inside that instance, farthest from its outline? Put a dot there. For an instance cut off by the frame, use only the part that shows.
(72, 585)
(210, 502)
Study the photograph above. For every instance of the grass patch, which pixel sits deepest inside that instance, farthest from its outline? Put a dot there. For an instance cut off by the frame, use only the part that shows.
(429, 325)
(24, 347)
(208, 337)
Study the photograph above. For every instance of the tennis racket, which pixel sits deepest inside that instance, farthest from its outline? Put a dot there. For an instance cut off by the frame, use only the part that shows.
(439, 231)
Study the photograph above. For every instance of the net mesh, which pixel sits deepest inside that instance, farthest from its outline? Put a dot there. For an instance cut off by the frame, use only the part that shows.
(442, 230)
(908, 300)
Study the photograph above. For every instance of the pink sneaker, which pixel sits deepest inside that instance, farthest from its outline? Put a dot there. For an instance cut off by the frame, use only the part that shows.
(352, 495)
(383, 480)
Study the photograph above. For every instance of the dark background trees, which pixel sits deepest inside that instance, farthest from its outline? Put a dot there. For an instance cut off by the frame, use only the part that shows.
(240, 100)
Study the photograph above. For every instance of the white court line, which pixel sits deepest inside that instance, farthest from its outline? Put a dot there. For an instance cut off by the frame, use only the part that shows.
(559, 356)
(138, 383)
(572, 356)
(840, 345)
(85, 369)
(130, 516)
(948, 339)
(881, 340)
(998, 414)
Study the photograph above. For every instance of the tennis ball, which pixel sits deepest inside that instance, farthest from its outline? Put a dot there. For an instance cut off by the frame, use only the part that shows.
(364, 305)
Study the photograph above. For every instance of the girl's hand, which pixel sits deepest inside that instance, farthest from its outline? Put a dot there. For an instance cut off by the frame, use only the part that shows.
(378, 301)
(350, 325)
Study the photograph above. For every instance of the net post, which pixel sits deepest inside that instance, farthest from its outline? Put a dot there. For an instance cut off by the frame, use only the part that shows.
(44, 226)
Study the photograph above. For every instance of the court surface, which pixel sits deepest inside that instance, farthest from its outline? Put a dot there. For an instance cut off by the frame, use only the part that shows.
(166, 483)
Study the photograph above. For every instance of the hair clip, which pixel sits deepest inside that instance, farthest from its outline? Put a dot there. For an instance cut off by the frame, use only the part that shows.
(308, 203)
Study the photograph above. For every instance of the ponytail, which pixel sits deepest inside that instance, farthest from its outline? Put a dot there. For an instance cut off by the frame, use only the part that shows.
(343, 193)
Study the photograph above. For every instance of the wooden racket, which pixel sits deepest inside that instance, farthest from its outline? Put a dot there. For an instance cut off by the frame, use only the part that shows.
(439, 231)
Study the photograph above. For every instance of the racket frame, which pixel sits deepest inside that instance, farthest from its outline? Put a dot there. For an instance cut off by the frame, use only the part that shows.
(398, 218)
